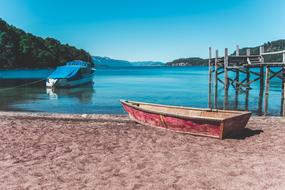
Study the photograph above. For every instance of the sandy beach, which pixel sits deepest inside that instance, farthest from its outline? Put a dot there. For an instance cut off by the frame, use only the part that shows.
(53, 151)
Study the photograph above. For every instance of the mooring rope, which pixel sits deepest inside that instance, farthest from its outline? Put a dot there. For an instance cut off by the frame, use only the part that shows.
(22, 85)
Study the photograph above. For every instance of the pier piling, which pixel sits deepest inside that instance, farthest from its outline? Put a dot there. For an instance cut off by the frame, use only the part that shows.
(261, 91)
(226, 78)
(210, 78)
(282, 110)
(216, 80)
(267, 80)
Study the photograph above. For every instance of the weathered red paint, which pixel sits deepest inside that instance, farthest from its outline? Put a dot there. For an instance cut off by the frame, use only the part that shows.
(193, 126)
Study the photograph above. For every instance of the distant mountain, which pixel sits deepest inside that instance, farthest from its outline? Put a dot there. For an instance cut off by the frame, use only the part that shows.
(147, 63)
(108, 62)
(19, 49)
(277, 45)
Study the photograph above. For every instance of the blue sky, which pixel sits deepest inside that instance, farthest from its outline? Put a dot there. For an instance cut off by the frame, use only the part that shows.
(160, 30)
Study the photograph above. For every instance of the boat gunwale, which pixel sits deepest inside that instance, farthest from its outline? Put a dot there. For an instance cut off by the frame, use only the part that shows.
(240, 113)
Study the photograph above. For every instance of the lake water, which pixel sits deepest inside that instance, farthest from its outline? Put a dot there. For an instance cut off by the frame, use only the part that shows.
(184, 86)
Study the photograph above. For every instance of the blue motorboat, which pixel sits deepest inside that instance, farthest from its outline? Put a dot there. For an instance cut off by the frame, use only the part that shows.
(74, 73)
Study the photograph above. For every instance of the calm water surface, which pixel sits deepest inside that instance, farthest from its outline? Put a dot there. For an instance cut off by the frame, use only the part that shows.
(184, 86)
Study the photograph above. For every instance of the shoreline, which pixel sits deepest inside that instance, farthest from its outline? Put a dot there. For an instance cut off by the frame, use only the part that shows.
(64, 116)
(103, 151)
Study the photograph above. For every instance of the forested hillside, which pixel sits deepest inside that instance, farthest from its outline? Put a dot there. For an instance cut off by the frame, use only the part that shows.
(268, 47)
(191, 61)
(19, 49)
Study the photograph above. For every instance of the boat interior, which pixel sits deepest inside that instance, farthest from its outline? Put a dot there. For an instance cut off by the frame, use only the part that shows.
(186, 111)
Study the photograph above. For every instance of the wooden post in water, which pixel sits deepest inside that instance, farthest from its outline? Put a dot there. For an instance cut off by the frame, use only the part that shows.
(236, 89)
(282, 111)
(216, 80)
(210, 79)
(282, 93)
(237, 81)
(261, 90)
(267, 80)
(261, 84)
(247, 88)
(226, 86)
(247, 82)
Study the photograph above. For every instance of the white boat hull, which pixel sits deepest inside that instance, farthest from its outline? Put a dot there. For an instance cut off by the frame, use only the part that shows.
(65, 83)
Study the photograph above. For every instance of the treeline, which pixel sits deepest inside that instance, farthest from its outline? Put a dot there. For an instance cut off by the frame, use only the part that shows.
(19, 49)
(277, 45)
(192, 61)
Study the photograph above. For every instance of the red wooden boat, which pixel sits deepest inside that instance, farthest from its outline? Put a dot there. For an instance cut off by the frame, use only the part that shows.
(196, 121)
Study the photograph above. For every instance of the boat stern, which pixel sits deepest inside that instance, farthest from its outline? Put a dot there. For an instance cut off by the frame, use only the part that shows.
(233, 127)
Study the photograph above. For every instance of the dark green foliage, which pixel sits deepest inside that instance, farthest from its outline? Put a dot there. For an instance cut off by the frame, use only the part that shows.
(192, 61)
(277, 45)
(19, 49)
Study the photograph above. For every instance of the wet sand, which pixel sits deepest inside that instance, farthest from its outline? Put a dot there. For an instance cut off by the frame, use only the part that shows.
(50, 151)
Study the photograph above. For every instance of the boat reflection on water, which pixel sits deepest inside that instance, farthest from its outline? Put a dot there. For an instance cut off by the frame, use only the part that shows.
(83, 93)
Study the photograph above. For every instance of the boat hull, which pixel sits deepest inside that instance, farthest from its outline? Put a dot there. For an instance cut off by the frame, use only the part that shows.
(195, 126)
(64, 83)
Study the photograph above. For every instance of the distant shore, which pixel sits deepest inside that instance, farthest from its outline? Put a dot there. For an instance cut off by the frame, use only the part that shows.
(64, 151)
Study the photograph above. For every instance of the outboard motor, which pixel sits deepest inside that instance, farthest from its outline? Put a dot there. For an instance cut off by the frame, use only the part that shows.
(50, 83)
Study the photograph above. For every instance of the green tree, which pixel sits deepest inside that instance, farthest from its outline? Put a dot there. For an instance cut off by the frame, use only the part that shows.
(19, 49)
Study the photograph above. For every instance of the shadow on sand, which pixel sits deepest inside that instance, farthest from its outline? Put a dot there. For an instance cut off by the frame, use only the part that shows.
(245, 133)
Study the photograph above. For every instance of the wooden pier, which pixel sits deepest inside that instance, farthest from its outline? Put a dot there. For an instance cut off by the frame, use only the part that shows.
(237, 71)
